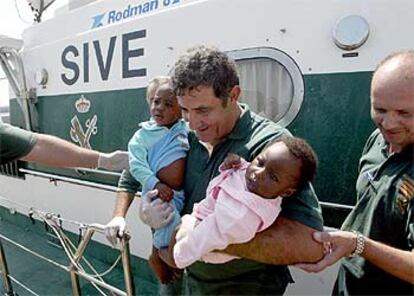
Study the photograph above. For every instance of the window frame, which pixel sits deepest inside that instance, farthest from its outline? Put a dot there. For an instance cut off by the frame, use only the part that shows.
(291, 67)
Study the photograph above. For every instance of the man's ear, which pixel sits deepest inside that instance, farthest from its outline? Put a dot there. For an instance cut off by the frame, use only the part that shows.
(235, 93)
(288, 192)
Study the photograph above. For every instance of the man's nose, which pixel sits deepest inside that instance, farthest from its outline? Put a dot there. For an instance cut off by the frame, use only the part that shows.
(193, 120)
(389, 121)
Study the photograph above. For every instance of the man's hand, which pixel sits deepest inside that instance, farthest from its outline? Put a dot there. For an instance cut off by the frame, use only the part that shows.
(164, 192)
(115, 161)
(154, 212)
(338, 244)
(115, 229)
(232, 161)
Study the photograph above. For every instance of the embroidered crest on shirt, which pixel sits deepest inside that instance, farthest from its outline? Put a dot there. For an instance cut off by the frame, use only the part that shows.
(405, 193)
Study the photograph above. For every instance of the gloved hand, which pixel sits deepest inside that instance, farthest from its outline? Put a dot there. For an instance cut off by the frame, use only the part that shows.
(115, 229)
(115, 161)
(154, 212)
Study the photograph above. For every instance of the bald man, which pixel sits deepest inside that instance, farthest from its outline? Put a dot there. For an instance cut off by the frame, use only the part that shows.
(377, 238)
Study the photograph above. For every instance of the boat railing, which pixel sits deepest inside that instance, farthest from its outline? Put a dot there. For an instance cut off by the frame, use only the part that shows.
(75, 255)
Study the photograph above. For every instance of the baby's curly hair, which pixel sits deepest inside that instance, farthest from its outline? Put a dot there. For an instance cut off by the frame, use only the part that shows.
(205, 66)
(304, 152)
(155, 83)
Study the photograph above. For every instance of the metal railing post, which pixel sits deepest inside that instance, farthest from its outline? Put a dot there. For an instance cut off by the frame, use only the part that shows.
(5, 272)
(73, 269)
(126, 265)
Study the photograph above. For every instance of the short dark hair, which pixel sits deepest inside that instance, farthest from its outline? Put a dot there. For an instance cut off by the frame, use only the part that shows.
(205, 66)
(303, 152)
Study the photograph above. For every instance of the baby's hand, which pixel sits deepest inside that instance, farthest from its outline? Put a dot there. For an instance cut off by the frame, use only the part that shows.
(165, 193)
(232, 161)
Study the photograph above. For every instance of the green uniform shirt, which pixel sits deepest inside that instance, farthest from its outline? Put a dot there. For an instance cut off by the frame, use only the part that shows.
(127, 183)
(384, 212)
(241, 276)
(14, 142)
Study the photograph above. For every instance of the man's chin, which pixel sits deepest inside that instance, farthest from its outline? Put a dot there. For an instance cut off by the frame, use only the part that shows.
(203, 137)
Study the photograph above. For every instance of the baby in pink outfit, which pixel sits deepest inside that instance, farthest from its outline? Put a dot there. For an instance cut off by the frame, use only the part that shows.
(243, 200)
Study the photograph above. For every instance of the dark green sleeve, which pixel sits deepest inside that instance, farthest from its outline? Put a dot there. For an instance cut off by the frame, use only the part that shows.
(15, 142)
(304, 208)
(127, 183)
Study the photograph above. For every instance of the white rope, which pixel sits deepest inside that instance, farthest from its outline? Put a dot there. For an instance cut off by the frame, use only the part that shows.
(98, 275)
(63, 240)
(33, 252)
(48, 218)
(61, 236)
(23, 286)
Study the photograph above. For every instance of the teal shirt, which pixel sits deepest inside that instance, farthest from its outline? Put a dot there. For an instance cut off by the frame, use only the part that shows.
(14, 142)
(248, 138)
(384, 212)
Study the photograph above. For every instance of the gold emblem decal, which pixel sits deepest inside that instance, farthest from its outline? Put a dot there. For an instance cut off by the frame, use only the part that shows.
(405, 193)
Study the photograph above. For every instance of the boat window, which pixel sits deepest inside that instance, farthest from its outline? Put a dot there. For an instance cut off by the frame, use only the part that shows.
(271, 83)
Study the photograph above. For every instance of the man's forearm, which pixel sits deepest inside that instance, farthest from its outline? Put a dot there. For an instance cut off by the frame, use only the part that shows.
(387, 258)
(53, 151)
(123, 201)
(285, 242)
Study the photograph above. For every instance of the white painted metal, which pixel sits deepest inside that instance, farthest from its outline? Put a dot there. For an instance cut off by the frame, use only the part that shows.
(300, 28)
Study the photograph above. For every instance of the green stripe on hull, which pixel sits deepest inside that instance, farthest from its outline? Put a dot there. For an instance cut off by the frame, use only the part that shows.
(335, 119)
(118, 115)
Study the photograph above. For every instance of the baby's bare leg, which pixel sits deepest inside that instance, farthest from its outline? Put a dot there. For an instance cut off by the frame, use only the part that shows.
(160, 268)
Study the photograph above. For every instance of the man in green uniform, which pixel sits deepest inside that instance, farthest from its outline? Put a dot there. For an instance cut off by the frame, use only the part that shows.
(16, 143)
(207, 87)
(378, 235)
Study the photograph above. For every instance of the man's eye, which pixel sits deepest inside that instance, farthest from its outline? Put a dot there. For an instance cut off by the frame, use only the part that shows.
(404, 114)
(380, 110)
(203, 111)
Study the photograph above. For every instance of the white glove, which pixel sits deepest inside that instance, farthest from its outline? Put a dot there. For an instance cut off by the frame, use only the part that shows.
(115, 229)
(115, 161)
(154, 212)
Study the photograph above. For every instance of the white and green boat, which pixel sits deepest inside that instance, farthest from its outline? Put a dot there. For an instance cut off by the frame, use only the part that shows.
(82, 74)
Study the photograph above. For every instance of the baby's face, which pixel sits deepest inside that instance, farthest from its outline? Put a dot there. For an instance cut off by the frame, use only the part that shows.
(274, 172)
(164, 106)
